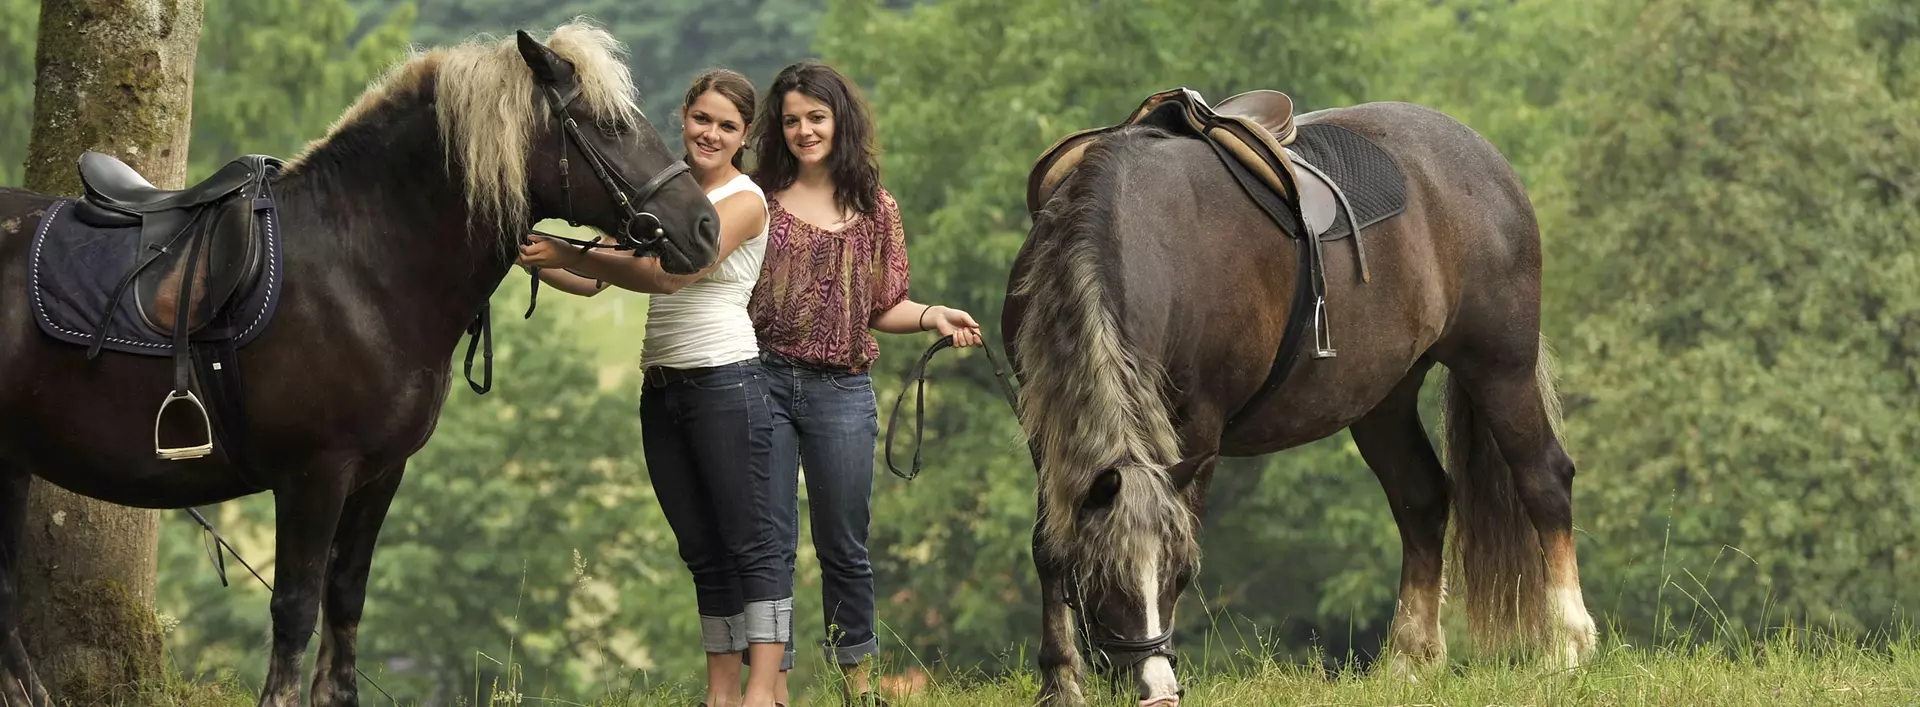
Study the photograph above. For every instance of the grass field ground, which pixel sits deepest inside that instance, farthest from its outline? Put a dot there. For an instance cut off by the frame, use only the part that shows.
(1795, 668)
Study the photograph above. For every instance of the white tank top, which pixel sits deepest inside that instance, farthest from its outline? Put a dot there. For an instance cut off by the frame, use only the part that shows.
(706, 322)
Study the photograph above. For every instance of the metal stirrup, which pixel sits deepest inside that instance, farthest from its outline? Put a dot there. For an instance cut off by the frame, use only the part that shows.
(179, 453)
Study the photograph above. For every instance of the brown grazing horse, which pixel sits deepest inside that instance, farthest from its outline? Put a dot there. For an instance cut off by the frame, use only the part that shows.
(398, 226)
(1144, 312)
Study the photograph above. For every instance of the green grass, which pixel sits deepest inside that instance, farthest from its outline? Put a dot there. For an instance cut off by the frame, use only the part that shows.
(1784, 672)
(1795, 668)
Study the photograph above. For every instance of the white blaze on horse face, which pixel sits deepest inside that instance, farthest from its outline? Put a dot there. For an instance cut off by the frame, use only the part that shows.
(1156, 673)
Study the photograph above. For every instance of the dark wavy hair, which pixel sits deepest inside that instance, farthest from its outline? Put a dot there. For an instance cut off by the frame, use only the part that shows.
(732, 86)
(854, 161)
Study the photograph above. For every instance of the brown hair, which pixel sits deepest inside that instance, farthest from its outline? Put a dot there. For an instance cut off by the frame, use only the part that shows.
(732, 86)
(853, 164)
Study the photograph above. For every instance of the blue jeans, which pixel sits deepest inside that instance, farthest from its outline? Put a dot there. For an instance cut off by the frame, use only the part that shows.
(828, 422)
(708, 435)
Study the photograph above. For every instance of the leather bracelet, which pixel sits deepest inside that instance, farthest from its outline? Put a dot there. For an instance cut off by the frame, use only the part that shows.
(922, 320)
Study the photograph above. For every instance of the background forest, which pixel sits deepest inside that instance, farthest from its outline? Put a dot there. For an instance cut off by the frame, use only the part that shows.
(1728, 192)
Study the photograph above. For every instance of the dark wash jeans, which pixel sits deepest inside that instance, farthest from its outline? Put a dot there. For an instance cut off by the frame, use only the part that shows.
(828, 421)
(709, 437)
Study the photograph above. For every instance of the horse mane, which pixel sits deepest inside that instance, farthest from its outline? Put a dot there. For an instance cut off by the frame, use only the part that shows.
(486, 108)
(1091, 398)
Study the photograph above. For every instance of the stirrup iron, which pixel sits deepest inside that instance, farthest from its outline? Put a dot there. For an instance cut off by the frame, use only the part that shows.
(1322, 334)
(180, 453)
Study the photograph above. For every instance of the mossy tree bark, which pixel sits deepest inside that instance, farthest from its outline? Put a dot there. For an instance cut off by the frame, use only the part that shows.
(112, 76)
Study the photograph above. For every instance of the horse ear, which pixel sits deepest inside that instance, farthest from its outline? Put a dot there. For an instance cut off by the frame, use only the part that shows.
(1183, 473)
(544, 63)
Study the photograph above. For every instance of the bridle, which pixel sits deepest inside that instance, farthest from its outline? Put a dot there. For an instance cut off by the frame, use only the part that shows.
(652, 236)
(1118, 653)
(611, 181)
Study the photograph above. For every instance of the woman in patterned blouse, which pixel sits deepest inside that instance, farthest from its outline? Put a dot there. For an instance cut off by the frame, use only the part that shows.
(835, 268)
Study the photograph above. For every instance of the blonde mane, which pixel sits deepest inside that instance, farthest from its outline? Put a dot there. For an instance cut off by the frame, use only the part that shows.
(1091, 398)
(487, 109)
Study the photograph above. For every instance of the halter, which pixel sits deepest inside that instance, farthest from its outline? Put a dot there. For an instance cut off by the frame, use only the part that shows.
(1118, 653)
(655, 237)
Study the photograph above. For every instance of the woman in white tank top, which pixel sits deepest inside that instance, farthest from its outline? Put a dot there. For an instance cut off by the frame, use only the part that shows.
(705, 418)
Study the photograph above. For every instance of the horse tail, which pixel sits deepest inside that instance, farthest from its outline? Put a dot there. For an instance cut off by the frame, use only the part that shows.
(1495, 546)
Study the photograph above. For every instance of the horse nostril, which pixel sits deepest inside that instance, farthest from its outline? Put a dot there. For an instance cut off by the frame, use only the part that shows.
(709, 230)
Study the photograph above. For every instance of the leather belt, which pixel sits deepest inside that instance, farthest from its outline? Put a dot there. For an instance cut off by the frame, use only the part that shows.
(658, 376)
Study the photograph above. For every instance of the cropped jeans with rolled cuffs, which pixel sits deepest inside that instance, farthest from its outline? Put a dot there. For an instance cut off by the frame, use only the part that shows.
(827, 421)
(709, 438)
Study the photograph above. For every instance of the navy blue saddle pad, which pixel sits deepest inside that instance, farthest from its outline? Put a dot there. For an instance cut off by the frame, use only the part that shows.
(76, 267)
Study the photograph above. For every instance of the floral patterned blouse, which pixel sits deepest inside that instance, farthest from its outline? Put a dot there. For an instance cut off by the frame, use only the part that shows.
(819, 290)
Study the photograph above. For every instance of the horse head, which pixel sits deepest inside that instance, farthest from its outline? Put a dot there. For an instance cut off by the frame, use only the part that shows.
(633, 188)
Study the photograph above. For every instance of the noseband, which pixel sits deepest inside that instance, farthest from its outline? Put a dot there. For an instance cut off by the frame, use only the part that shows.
(654, 232)
(1119, 653)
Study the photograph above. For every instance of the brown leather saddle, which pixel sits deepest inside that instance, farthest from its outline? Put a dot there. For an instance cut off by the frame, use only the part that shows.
(1250, 132)
(1255, 127)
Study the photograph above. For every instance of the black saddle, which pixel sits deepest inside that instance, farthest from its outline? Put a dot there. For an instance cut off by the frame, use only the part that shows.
(112, 185)
(214, 217)
(202, 264)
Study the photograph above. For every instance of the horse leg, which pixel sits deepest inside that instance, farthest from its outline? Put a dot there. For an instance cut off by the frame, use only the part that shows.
(19, 684)
(334, 678)
(306, 512)
(1394, 444)
(1511, 392)
(1060, 665)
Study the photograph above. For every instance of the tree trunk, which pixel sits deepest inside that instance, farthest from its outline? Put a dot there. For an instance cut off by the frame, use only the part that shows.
(113, 76)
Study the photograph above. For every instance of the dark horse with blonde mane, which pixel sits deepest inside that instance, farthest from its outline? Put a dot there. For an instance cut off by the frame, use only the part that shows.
(386, 238)
(1143, 317)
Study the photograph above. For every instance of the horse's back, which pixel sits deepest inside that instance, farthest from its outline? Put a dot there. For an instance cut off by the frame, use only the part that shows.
(1462, 193)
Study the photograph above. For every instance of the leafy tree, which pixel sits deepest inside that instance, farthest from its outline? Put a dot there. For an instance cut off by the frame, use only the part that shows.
(1734, 265)
(671, 41)
(19, 25)
(275, 73)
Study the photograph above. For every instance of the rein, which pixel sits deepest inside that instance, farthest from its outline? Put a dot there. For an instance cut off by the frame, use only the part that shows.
(918, 380)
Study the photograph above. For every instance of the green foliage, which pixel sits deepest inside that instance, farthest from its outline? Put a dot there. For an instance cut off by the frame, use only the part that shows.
(19, 25)
(1737, 273)
(671, 40)
(273, 74)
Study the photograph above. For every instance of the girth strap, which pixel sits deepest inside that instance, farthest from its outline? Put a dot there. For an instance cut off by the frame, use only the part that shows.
(1303, 291)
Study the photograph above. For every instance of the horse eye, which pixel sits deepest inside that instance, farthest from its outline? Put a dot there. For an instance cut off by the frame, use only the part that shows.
(1100, 494)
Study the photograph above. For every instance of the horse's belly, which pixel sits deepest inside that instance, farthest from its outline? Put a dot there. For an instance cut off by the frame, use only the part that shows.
(90, 429)
(100, 466)
(1320, 398)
